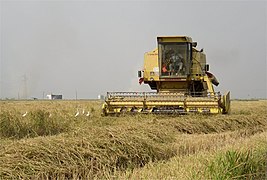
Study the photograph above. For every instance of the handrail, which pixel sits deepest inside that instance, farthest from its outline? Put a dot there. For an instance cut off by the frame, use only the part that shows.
(164, 95)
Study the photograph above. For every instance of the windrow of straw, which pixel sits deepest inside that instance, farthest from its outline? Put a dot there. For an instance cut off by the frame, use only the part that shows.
(102, 149)
(197, 124)
(85, 154)
(230, 157)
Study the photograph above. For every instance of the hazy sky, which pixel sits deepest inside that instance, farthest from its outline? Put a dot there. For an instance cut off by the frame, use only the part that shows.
(93, 47)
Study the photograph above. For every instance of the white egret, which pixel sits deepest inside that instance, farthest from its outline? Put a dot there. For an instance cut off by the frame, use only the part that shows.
(25, 114)
(77, 113)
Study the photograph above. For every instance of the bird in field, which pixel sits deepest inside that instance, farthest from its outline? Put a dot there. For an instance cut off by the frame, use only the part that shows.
(88, 113)
(25, 114)
(83, 111)
(77, 113)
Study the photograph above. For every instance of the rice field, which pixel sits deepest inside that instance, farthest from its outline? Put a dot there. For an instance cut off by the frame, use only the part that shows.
(71, 140)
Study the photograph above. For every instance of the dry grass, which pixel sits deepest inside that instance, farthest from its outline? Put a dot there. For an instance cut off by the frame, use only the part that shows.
(50, 142)
(83, 154)
(244, 157)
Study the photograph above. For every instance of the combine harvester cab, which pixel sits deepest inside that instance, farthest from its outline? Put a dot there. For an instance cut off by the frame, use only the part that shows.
(178, 74)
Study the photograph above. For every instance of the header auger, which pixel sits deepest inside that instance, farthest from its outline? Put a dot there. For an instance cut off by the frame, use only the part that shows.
(179, 74)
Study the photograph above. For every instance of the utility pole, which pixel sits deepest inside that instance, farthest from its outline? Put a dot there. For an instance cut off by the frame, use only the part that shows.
(24, 80)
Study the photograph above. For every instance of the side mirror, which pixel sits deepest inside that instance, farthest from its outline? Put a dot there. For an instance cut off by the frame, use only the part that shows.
(139, 74)
(207, 67)
(194, 44)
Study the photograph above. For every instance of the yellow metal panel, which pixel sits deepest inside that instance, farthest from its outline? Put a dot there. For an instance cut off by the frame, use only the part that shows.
(164, 103)
(209, 84)
(151, 66)
(124, 103)
(226, 102)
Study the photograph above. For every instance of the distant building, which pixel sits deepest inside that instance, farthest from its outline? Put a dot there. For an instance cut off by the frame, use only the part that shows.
(54, 96)
(102, 97)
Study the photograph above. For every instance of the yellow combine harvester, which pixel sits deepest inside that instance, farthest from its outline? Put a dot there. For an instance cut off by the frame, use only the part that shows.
(179, 74)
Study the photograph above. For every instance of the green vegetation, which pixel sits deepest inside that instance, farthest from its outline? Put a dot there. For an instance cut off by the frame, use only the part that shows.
(50, 142)
(238, 165)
